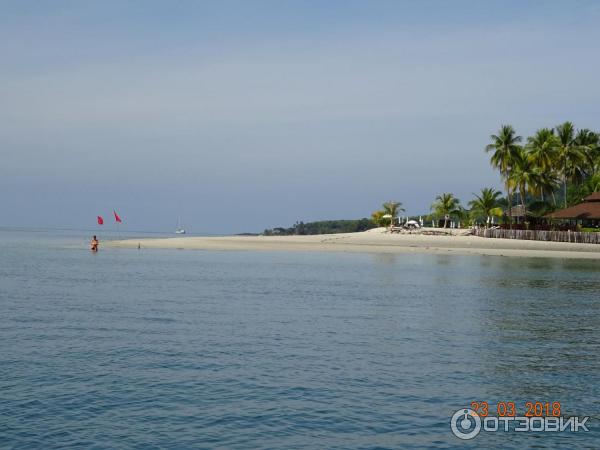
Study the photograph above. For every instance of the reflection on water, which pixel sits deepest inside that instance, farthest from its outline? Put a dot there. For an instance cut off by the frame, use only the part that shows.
(200, 349)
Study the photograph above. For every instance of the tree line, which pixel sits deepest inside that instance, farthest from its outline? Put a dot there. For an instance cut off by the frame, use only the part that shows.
(322, 227)
(556, 167)
(553, 158)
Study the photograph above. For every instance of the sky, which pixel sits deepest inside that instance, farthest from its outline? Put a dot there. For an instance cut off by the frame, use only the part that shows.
(243, 115)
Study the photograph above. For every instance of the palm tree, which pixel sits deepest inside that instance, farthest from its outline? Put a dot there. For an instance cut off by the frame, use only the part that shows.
(593, 183)
(570, 159)
(547, 183)
(444, 205)
(392, 208)
(487, 203)
(542, 149)
(589, 143)
(525, 177)
(377, 218)
(505, 148)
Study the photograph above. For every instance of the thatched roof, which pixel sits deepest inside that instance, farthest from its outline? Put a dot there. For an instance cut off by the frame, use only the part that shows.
(595, 197)
(589, 209)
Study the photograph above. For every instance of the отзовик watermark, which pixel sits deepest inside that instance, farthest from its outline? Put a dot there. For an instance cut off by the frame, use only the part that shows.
(467, 424)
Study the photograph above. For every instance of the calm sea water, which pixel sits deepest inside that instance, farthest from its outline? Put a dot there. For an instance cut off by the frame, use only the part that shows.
(195, 349)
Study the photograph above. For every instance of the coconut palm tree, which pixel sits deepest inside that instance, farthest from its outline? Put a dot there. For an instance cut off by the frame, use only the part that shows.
(542, 149)
(504, 148)
(547, 183)
(593, 183)
(445, 205)
(589, 143)
(486, 204)
(525, 177)
(570, 161)
(392, 208)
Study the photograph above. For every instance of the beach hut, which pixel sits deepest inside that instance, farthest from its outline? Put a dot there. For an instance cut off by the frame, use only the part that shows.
(517, 213)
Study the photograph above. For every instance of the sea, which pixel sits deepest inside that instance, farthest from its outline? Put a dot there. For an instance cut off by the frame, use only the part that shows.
(191, 349)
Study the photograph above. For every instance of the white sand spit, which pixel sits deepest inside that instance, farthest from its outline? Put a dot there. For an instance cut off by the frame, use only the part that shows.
(374, 241)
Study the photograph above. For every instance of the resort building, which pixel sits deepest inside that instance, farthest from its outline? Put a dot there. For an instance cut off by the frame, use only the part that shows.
(586, 214)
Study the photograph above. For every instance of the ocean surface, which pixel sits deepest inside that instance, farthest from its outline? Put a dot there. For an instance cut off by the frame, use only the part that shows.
(250, 350)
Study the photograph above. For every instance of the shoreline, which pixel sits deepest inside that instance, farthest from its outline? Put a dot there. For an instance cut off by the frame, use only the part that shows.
(373, 241)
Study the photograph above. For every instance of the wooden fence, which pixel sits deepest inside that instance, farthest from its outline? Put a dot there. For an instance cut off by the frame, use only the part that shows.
(540, 235)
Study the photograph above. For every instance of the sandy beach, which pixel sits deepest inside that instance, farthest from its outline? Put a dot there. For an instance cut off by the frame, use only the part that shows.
(374, 241)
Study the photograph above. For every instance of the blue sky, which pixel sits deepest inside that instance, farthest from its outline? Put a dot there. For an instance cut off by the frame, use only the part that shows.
(238, 116)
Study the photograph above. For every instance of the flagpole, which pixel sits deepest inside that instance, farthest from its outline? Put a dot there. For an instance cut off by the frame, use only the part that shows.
(118, 221)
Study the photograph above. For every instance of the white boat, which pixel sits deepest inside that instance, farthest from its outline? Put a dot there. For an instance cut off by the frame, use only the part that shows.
(179, 229)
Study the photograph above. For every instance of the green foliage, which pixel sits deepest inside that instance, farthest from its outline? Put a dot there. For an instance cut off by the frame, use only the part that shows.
(590, 230)
(543, 148)
(589, 143)
(504, 148)
(539, 208)
(486, 204)
(392, 208)
(571, 159)
(323, 227)
(553, 158)
(377, 219)
(525, 177)
(576, 193)
(447, 205)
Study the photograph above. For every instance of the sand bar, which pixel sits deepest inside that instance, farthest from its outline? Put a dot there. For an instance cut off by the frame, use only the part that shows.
(374, 241)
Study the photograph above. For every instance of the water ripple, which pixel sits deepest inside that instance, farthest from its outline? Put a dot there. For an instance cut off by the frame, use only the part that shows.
(159, 349)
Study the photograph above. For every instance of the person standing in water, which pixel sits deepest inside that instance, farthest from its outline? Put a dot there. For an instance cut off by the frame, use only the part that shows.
(94, 244)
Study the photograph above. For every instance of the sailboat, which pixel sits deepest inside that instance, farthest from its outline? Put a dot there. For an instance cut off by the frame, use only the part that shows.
(179, 229)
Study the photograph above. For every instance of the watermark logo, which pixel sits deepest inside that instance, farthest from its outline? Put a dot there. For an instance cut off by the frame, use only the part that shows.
(465, 424)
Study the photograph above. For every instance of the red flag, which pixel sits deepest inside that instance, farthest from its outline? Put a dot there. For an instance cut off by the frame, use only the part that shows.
(117, 218)
(100, 220)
